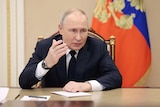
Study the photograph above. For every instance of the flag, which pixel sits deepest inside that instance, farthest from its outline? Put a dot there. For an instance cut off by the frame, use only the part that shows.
(126, 20)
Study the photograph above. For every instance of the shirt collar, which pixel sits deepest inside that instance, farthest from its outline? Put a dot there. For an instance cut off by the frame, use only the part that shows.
(68, 50)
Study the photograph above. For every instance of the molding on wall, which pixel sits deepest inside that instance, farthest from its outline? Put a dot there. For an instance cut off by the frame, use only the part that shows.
(17, 39)
(12, 35)
(3, 43)
(8, 43)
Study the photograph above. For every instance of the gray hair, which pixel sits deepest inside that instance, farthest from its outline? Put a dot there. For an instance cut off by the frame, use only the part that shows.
(68, 12)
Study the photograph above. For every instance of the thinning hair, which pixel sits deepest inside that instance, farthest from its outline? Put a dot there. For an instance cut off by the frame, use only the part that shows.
(68, 12)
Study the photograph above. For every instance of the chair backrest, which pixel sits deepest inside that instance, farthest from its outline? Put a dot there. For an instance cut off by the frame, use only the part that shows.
(110, 42)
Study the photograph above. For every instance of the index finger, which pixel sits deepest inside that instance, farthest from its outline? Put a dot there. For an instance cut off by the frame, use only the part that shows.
(56, 43)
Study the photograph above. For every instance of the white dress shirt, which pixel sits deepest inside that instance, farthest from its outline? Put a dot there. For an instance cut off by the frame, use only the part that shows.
(40, 72)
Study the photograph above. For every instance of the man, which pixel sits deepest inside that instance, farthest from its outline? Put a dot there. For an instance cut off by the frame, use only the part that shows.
(94, 69)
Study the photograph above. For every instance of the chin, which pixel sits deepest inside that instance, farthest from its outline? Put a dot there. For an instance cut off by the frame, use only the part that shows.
(76, 48)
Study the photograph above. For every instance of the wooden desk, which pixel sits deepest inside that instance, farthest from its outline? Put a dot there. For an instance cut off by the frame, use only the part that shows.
(118, 97)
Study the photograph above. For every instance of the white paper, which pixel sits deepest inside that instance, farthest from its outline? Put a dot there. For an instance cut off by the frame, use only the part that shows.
(71, 94)
(35, 98)
(3, 93)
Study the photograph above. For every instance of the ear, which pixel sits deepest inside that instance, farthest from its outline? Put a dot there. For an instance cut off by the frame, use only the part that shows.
(60, 28)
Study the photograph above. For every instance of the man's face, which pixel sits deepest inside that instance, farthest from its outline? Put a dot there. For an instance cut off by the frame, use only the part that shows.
(74, 31)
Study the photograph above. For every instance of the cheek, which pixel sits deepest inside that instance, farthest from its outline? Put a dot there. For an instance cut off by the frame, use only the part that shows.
(84, 38)
(67, 39)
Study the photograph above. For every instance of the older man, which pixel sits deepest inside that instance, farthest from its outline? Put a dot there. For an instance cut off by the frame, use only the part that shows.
(93, 68)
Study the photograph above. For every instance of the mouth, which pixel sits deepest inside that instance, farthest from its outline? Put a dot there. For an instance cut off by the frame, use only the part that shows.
(77, 44)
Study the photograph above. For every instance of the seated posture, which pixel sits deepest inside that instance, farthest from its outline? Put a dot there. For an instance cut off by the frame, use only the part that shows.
(91, 67)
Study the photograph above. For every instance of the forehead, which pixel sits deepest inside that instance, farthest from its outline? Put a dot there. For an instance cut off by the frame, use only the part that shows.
(76, 17)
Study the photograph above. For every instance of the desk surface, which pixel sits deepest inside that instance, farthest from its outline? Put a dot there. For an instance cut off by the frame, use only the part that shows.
(117, 97)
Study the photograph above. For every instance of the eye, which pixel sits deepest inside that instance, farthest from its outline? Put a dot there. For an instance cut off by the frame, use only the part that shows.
(73, 30)
(83, 30)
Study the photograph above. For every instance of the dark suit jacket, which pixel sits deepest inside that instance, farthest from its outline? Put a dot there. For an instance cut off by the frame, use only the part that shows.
(93, 63)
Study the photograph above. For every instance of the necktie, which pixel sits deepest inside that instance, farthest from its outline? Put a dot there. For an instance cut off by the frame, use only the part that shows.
(71, 67)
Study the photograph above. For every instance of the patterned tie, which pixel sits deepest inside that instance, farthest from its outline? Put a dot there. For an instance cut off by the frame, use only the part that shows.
(71, 67)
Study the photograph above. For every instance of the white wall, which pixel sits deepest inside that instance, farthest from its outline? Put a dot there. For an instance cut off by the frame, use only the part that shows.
(3, 43)
(153, 16)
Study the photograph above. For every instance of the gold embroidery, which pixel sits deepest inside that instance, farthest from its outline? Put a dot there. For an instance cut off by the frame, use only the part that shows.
(138, 4)
(100, 11)
(125, 21)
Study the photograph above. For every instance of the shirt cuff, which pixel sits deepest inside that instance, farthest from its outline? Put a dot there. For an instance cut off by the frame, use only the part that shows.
(96, 86)
(40, 72)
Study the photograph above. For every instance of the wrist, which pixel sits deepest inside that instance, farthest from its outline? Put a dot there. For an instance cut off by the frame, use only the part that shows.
(44, 65)
(88, 86)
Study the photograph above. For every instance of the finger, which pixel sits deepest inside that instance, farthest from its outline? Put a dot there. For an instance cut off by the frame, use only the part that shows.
(60, 46)
(67, 87)
(56, 43)
(71, 87)
(60, 50)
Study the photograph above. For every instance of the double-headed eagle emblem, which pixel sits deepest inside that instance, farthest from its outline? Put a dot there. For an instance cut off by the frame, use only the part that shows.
(104, 10)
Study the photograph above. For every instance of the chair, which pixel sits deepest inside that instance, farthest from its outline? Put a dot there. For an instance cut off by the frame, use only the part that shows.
(110, 43)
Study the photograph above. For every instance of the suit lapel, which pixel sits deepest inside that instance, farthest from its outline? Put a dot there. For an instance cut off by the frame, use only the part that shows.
(61, 68)
(81, 63)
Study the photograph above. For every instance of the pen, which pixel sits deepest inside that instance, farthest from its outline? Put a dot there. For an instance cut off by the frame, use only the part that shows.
(17, 96)
(37, 97)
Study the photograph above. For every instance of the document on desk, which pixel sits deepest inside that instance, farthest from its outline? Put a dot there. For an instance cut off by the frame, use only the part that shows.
(35, 98)
(3, 93)
(70, 94)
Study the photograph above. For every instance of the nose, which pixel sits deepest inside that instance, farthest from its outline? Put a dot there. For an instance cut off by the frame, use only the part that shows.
(78, 36)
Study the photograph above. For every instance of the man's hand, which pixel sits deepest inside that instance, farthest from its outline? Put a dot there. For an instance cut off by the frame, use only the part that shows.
(73, 86)
(56, 51)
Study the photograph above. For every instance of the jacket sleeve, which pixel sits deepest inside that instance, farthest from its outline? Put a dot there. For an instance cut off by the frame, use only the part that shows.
(110, 76)
(27, 77)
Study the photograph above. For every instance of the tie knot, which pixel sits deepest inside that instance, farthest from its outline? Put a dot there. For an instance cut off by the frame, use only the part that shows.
(72, 53)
